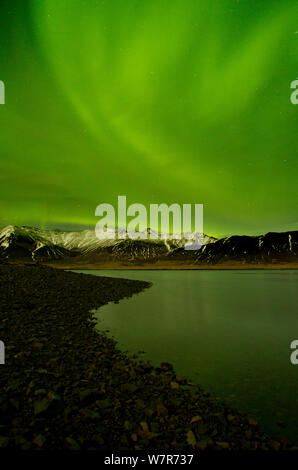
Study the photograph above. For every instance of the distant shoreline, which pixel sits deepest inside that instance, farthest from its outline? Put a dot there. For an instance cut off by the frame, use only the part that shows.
(158, 266)
(73, 264)
(171, 266)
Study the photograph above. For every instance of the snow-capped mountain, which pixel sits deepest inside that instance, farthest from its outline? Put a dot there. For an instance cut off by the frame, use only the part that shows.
(28, 242)
(37, 244)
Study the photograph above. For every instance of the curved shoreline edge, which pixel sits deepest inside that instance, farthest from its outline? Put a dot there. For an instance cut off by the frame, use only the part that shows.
(65, 385)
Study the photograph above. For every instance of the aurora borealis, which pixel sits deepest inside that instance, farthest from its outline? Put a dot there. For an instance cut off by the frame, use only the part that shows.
(183, 101)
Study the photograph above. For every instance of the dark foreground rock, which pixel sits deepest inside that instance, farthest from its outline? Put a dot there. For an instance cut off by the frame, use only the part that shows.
(64, 386)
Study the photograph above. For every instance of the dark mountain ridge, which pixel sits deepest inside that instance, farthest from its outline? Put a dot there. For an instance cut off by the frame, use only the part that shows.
(268, 248)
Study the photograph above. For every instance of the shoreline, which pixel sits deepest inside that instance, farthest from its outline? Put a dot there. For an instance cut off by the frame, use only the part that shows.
(71, 264)
(66, 386)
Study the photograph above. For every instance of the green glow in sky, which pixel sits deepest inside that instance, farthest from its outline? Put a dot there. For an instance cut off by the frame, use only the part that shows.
(183, 101)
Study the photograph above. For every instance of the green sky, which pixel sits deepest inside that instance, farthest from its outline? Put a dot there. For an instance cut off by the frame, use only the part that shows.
(183, 101)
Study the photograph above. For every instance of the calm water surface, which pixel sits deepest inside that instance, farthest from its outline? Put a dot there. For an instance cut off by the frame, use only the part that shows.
(230, 331)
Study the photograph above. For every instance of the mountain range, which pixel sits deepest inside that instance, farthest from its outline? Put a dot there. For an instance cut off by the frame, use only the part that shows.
(29, 243)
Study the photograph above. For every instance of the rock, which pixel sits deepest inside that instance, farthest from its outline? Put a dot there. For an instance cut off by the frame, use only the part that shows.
(162, 410)
(223, 445)
(127, 425)
(99, 440)
(144, 426)
(140, 404)
(180, 380)
(39, 440)
(49, 406)
(90, 414)
(195, 419)
(104, 404)
(274, 445)
(89, 396)
(191, 440)
(72, 443)
(149, 412)
(174, 385)
(231, 417)
(41, 406)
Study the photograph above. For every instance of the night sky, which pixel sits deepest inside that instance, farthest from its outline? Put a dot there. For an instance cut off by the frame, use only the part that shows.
(183, 101)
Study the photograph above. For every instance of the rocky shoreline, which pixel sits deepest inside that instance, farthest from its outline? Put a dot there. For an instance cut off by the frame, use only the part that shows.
(64, 386)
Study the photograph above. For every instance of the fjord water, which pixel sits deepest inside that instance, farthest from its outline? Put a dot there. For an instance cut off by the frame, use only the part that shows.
(229, 331)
